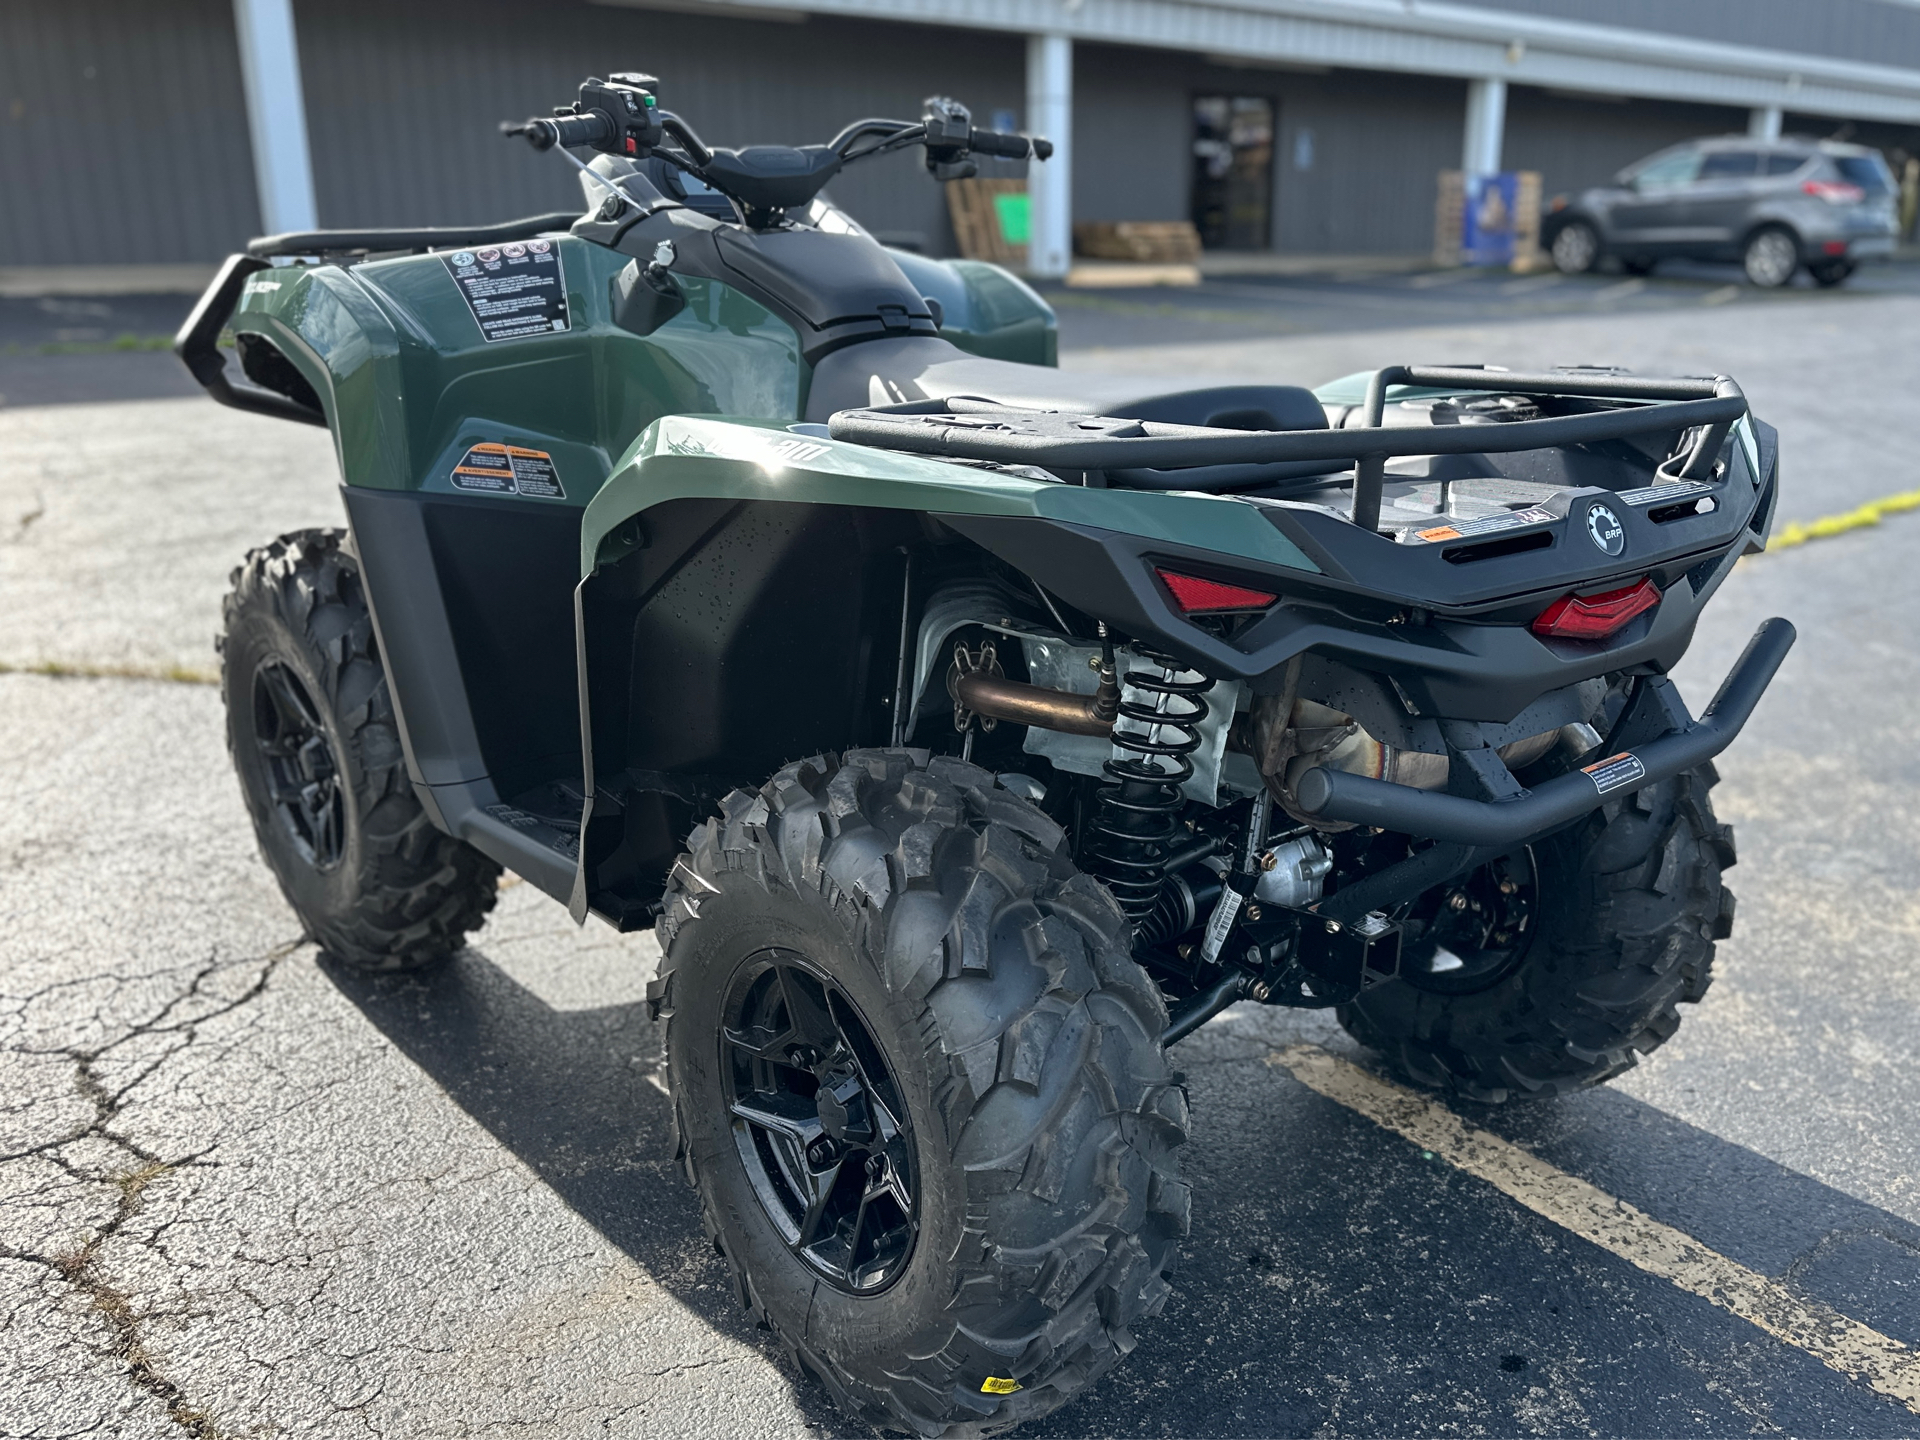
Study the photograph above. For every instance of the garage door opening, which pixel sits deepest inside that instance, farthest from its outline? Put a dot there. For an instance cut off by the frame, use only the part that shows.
(1233, 171)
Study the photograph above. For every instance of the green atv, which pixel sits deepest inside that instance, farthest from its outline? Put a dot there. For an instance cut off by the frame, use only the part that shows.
(968, 732)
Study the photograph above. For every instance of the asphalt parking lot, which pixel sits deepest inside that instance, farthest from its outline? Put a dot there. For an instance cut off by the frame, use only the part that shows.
(244, 1192)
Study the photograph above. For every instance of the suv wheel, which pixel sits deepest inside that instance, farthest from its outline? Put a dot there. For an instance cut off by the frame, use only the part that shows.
(1576, 248)
(1772, 255)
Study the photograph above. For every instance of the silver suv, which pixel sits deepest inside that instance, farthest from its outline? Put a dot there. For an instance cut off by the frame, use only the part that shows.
(1773, 205)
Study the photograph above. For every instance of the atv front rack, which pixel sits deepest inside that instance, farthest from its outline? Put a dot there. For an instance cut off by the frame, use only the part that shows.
(1095, 446)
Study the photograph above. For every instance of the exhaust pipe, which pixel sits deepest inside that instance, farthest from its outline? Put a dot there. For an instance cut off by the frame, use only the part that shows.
(988, 694)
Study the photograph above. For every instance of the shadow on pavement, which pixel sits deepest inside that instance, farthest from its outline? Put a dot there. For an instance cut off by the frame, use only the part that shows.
(1338, 1282)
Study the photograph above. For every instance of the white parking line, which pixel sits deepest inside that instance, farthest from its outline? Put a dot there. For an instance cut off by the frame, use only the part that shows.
(1440, 277)
(1721, 296)
(1620, 291)
(1840, 1343)
(1531, 284)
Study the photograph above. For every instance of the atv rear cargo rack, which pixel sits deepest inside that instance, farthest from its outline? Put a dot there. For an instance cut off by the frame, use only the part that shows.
(1059, 441)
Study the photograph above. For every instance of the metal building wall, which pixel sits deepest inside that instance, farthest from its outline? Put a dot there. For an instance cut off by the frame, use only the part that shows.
(1575, 142)
(1879, 32)
(1378, 142)
(404, 98)
(123, 133)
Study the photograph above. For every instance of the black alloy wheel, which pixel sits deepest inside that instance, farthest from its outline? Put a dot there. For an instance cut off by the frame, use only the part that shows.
(1610, 926)
(820, 1123)
(316, 746)
(1471, 933)
(303, 775)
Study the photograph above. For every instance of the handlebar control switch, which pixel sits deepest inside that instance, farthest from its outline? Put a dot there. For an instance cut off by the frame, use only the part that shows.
(630, 104)
(949, 128)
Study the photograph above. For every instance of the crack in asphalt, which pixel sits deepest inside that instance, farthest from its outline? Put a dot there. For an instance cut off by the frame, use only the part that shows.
(25, 522)
(83, 1264)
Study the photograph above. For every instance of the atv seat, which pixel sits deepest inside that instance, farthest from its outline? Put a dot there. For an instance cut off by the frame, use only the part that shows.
(888, 372)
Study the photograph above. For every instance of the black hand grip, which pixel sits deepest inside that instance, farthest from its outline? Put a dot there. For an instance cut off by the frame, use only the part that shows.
(543, 132)
(992, 142)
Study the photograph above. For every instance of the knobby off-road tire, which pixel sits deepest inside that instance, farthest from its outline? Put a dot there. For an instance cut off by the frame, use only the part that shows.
(311, 730)
(1629, 906)
(998, 985)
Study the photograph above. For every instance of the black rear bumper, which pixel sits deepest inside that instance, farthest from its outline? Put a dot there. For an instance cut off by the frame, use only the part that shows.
(1336, 795)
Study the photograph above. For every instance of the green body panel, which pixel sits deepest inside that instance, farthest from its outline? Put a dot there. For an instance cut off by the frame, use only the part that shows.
(409, 383)
(684, 456)
(986, 310)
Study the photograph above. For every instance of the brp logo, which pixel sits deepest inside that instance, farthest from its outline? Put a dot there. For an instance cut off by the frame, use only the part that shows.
(1605, 530)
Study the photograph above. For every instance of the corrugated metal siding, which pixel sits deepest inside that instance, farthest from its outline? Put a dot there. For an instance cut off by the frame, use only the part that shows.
(1133, 119)
(1379, 143)
(1575, 143)
(123, 133)
(1896, 141)
(403, 99)
(1874, 31)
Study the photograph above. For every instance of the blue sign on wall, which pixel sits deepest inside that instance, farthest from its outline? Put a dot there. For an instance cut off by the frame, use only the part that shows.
(1487, 219)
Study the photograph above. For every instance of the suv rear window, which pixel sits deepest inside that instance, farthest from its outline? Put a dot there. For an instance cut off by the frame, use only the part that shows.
(1869, 172)
(1730, 165)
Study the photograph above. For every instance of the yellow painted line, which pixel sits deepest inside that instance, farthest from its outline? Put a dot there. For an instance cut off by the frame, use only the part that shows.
(64, 670)
(1855, 1350)
(1870, 513)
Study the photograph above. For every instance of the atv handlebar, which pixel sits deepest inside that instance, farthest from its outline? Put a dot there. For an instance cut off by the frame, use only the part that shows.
(621, 116)
(1009, 147)
(567, 131)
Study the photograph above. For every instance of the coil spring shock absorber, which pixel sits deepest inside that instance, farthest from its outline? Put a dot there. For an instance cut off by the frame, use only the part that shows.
(1135, 829)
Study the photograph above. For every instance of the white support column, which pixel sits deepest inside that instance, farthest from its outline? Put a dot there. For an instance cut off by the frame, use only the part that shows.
(1050, 182)
(1486, 126)
(276, 115)
(1763, 122)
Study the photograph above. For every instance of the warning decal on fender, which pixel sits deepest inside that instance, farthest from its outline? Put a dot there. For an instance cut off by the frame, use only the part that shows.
(1615, 771)
(513, 290)
(508, 470)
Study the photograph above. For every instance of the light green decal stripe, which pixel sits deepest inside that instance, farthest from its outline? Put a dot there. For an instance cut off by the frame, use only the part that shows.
(686, 457)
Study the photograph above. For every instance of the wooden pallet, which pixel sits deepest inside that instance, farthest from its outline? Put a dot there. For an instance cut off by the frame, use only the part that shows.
(973, 206)
(1149, 242)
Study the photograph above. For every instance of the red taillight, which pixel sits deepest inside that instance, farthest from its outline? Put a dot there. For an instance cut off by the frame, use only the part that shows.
(1195, 596)
(1834, 192)
(1595, 617)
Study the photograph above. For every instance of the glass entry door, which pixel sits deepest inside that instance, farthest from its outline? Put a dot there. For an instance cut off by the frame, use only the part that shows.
(1233, 171)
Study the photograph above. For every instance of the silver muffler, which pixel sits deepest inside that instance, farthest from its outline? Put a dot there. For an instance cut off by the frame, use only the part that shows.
(1313, 735)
